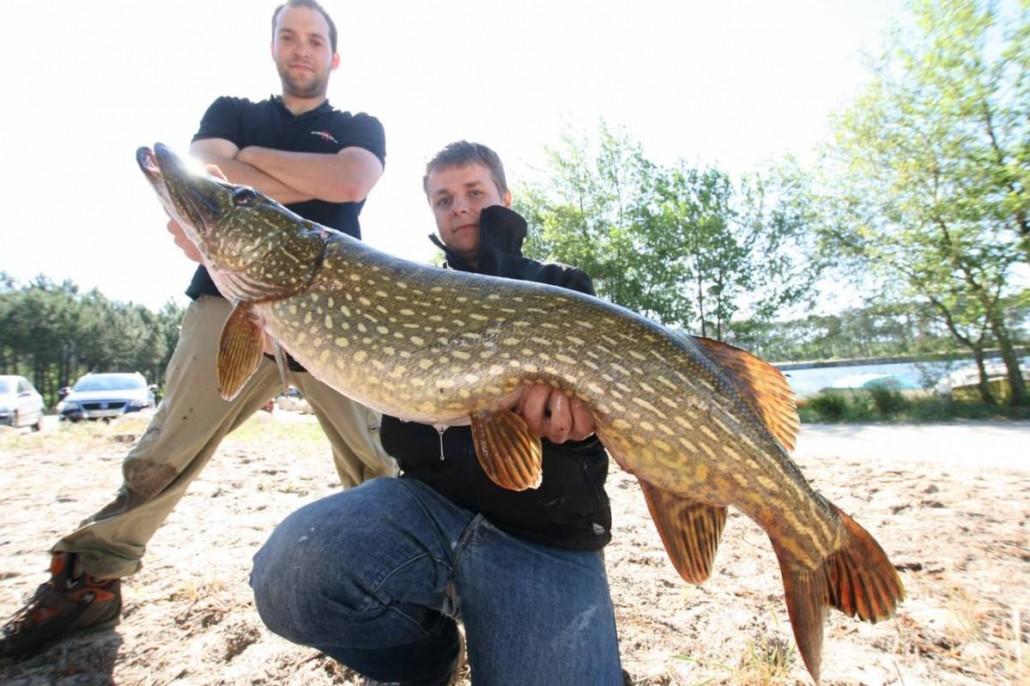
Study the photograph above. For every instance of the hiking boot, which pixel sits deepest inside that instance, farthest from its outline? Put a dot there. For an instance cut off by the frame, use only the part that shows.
(65, 605)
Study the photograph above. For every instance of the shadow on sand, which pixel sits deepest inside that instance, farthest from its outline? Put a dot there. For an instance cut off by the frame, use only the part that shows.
(83, 660)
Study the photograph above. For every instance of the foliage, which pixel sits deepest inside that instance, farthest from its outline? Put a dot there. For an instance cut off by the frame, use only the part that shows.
(53, 334)
(876, 330)
(686, 246)
(927, 175)
(888, 402)
(829, 406)
(597, 212)
(884, 405)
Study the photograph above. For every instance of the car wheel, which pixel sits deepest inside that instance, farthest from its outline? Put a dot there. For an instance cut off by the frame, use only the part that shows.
(38, 426)
(15, 420)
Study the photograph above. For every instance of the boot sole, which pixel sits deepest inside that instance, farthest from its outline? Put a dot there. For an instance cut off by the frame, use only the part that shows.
(43, 646)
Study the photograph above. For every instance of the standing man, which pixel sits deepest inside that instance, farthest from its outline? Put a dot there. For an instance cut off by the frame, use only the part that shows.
(322, 163)
(376, 576)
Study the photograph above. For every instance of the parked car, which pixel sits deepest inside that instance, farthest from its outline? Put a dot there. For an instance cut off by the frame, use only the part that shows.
(103, 396)
(20, 403)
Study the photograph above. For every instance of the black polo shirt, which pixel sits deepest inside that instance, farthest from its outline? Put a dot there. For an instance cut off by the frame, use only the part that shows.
(270, 125)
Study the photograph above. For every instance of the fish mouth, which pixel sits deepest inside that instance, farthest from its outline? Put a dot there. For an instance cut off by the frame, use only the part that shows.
(193, 200)
(147, 162)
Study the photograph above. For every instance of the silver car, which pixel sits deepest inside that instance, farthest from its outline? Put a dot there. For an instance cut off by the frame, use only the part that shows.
(104, 396)
(20, 403)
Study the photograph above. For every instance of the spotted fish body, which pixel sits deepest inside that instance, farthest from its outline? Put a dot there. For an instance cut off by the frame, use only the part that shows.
(437, 346)
(701, 424)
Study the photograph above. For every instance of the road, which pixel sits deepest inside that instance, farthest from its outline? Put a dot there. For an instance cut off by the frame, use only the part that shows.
(996, 444)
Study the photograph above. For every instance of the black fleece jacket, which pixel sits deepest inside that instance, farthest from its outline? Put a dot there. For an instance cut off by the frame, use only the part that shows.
(570, 508)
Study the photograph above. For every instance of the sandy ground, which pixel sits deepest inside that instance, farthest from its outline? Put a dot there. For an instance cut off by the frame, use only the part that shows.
(949, 504)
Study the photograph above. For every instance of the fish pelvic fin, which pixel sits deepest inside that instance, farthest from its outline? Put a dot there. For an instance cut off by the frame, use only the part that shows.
(762, 386)
(857, 579)
(509, 452)
(689, 530)
(283, 365)
(239, 350)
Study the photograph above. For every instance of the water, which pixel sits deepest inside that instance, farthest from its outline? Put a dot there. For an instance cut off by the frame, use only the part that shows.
(905, 375)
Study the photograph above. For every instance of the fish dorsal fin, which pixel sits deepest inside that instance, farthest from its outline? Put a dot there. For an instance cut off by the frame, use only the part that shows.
(239, 349)
(762, 386)
(509, 452)
(690, 530)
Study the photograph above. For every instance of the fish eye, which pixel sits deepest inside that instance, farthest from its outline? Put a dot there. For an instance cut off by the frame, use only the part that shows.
(244, 195)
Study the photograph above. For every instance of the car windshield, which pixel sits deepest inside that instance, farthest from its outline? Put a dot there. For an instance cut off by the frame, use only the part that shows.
(6, 386)
(108, 382)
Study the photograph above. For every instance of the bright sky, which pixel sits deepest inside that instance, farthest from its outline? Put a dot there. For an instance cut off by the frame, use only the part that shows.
(732, 82)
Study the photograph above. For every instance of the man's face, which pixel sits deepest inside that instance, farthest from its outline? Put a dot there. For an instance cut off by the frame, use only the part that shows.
(302, 52)
(457, 196)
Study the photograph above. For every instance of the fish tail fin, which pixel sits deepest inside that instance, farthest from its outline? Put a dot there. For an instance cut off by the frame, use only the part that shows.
(857, 579)
(807, 594)
(862, 582)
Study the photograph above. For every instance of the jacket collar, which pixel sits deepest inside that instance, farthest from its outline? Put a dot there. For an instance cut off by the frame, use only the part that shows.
(501, 233)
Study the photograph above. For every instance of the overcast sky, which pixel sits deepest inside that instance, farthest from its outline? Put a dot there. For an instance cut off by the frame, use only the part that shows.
(732, 83)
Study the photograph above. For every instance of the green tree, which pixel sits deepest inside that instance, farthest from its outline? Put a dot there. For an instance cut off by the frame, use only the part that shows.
(597, 212)
(685, 246)
(750, 248)
(928, 170)
(53, 334)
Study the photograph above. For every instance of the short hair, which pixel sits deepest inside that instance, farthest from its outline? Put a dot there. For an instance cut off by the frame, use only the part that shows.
(462, 154)
(310, 4)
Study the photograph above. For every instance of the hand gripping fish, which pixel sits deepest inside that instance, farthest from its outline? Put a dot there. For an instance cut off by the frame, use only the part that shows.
(701, 424)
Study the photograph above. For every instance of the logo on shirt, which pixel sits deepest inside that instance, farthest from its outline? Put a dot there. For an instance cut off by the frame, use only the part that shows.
(325, 135)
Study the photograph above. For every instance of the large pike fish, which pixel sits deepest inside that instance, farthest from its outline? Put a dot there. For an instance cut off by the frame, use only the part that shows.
(701, 424)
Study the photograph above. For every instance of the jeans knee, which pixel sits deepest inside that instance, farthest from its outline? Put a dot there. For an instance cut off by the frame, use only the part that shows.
(310, 569)
(271, 595)
(284, 581)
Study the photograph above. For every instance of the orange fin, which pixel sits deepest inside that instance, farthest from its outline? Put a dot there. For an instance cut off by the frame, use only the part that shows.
(862, 582)
(239, 350)
(689, 530)
(762, 386)
(806, 595)
(509, 452)
(858, 580)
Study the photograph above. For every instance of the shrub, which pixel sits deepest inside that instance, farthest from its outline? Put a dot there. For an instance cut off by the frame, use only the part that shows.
(887, 401)
(886, 404)
(831, 407)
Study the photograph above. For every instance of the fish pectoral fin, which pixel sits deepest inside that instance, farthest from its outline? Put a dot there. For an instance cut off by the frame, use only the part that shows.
(762, 386)
(509, 452)
(690, 530)
(239, 350)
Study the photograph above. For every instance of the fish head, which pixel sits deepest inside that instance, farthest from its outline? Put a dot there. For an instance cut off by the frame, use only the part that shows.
(253, 247)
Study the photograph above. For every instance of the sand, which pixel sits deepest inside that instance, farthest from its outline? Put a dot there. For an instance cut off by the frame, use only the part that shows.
(955, 520)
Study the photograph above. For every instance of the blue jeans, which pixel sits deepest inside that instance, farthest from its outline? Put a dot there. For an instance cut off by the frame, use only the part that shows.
(375, 577)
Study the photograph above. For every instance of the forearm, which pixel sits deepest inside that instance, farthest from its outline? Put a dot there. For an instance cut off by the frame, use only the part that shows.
(343, 177)
(249, 175)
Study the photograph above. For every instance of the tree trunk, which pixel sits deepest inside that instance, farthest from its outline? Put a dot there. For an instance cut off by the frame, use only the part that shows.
(701, 307)
(1008, 355)
(983, 386)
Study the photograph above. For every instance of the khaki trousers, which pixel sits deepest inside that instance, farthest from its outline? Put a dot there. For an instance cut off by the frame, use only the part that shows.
(187, 427)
